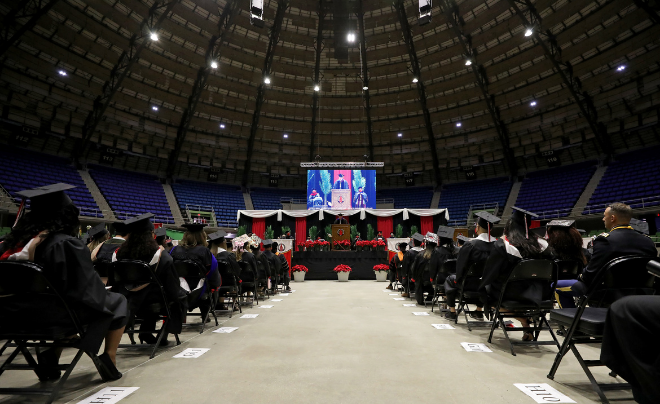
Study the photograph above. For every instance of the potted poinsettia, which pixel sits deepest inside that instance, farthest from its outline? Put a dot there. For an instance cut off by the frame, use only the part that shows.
(381, 272)
(301, 246)
(342, 272)
(380, 245)
(342, 244)
(323, 245)
(299, 272)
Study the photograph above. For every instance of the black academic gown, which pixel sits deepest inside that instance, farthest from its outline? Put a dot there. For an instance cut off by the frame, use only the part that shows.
(249, 273)
(474, 250)
(284, 269)
(263, 267)
(202, 256)
(273, 263)
(227, 264)
(408, 260)
(107, 248)
(68, 266)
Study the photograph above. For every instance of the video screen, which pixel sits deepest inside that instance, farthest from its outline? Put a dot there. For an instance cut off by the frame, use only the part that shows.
(341, 189)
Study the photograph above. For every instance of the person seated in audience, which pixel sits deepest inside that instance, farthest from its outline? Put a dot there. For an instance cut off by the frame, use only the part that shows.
(565, 244)
(97, 235)
(193, 247)
(225, 259)
(427, 265)
(379, 236)
(460, 242)
(273, 262)
(284, 266)
(263, 266)
(630, 345)
(45, 236)
(105, 250)
(140, 245)
(518, 243)
(474, 250)
(395, 264)
(249, 273)
(620, 240)
(408, 259)
(161, 238)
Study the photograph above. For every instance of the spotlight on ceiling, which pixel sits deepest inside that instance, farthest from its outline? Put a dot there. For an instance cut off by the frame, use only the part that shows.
(62, 73)
(153, 36)
(286, 136)
(155, 108)
(222, 126)
(267, 80)
(400, 134)
(214, 65)
(458, 124)
(532, 104)
(365, 88)
(316, 87)
(621, 68)
(528, 32)
(468, 62)
(415, 80)
(350, 37)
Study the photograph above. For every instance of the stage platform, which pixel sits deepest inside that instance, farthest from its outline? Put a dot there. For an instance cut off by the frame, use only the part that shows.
(321, 263)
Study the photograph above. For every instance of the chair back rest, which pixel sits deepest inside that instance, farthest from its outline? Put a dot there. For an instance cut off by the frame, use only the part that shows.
(227, 275)
(533, 270)
(567, 269)
(132, 272)
(621, 277)
(189, 269)
(449, 266)
(476, 269)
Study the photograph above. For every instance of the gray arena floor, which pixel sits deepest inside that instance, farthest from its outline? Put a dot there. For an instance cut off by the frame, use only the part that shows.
(332, 342)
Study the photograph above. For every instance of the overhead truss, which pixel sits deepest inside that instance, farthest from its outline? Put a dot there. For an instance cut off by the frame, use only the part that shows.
(151, 24)
(414, 62)
(282, 5)
(212, 56)
(365, 78)
(450, 10)
(531, 19)
(317, 67)
(32, 9)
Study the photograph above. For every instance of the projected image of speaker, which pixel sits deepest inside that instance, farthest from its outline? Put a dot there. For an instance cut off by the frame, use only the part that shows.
(341, 189)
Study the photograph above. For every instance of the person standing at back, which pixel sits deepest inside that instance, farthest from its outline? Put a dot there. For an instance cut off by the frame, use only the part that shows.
(395, 264)
(408, 260)
(284, 266)
(273, 263)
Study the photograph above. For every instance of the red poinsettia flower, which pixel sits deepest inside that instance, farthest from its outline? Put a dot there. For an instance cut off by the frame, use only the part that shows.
(381, 267)
(342, 268)
(381, 243)
(300, 268)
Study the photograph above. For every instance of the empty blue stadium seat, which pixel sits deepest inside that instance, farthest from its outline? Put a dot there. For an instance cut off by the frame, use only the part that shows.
(226, 200)
(458, 198)
(270, 198)
(412, 197)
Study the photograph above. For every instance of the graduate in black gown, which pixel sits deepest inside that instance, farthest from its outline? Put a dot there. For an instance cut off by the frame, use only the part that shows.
(226, 260)
(285, 276)
(97, 235)
(105, 250)
(273, 262)
(396, 263)
(518, 243)
(424, 268)
(144, 302)
(161, 237)
(45, 236)
(473, 250)
(193, 247)
(406, 276)
(263, 266)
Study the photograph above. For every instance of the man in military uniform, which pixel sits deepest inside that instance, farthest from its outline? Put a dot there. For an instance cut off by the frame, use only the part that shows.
(620, 240)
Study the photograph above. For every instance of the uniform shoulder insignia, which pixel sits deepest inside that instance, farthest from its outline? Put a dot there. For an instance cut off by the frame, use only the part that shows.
(603, 235)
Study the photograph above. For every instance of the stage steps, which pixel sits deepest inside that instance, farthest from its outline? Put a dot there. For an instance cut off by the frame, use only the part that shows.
(435, 201)
(174, 204)
(248, 201)
(103, 205)
(588, 191)
(511, 201)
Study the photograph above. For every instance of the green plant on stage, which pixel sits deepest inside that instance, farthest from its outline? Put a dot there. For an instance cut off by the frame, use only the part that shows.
(313, 231)
(398, 232)
(371, 234)
(326, 186)
(413, 230)
(270, 233)
(328, 232)
(285, 229)
(354, 233)
(241, 230)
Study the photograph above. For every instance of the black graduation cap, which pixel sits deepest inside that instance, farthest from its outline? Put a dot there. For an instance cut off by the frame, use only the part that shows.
(639, 226)
(120, 227)
(139, 223)
(48, 198)
(445, 232)
(218, 236)
(561, 223)
(273, 244)
(462, 238)
(266, 243)
(194, 227)
(522, 218)
(486, 220)
(418, 237)
(97, 231)
(161, 232)
(402, 246)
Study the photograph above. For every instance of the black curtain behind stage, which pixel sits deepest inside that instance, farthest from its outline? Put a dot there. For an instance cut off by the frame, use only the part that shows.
(321, 263)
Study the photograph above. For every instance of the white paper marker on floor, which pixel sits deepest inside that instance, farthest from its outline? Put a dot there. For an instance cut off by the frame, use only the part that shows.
(267, 306)
(399, 298)
(443, 327)
(108, 395)
(394, 294)
(409, 305)
(192, 353)
(421, 313)
(543, 393)
(283, 294)
(249, 316)
(226, 330)
(276, 300)
(472, 347)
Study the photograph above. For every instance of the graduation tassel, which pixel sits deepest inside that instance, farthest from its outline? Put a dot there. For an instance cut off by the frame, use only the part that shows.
(489, 231)
(19, 214)
(526, 229)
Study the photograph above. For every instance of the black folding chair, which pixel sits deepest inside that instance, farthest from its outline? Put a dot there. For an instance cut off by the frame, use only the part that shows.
(567, 269)
(587, 324)
(129, 274)
(537, 271)
(104, 269)
(448, 268)
(26, 291)
(262, 278)
(230, 288)
(248, 283)
(468, 294)
(193, 273)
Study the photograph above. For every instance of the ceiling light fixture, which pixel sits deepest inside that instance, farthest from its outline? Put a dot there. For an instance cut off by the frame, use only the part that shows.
(317, 88)
(350, 37)
(458, 124)
(621, 68)
(415, 80)
(286, 136)
(62, 73)
(267, 80)
(400, 134)
(155, 108)
(153, 36)
(214, 65)
(529, 32)
(532, 104)
(468, 62)
(365, 88)
(222, 126)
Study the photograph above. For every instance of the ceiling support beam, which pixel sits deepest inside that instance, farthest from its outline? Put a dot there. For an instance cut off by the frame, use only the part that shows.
(32, 9)
(212, 56)
(450, 10)
(414, 64)
(317, 68)
(653, 13)
(157, 14)
(531, 19)
(282, 5)
(365, 78)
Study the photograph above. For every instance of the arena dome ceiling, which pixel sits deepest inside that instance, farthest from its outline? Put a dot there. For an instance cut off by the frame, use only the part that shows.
(483, 83)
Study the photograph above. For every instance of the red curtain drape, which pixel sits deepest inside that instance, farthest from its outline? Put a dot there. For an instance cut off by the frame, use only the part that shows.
(301, 231)
(427, 224)
(259, 226)
(385, 225)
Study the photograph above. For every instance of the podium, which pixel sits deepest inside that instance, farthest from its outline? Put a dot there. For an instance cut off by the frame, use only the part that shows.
(340, 232)
(341, 199)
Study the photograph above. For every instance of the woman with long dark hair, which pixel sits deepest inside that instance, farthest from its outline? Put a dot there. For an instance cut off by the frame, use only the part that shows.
(565, 241)
(140, 245)
(518, 243)
(427, 265)
(45, 236)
